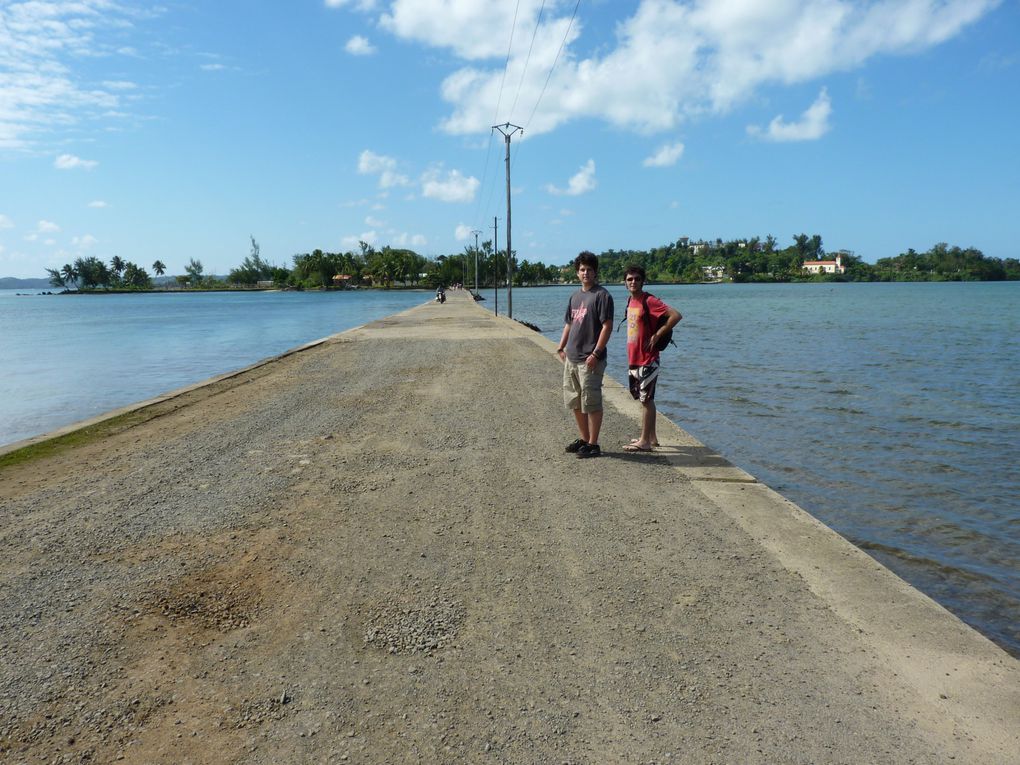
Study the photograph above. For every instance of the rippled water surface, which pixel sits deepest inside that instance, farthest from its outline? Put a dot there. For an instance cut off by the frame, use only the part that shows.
(889, 411)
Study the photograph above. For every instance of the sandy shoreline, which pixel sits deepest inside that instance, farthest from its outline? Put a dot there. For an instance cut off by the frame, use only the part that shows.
(374, 550)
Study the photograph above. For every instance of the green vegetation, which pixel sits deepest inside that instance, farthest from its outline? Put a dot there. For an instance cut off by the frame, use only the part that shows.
(87, 274)
(756, 260)
(682, 261)
(58, 444)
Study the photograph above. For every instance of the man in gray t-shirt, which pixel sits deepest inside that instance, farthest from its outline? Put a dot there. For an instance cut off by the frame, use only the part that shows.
(588, 323)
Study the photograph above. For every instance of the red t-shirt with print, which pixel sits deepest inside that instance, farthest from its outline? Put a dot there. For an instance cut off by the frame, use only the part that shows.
(639, 329)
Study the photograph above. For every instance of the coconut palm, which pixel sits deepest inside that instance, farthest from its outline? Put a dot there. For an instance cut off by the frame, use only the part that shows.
(117, 265)
(159, 267)
(56, 279)
(70, 275)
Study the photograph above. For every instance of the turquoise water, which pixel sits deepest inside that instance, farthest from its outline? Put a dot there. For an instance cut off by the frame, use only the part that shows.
(889, 411)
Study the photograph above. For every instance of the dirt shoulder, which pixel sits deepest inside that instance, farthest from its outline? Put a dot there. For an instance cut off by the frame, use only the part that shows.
(376, 551)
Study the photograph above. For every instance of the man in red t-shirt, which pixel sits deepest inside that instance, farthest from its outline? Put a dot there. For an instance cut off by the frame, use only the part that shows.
(644, 313)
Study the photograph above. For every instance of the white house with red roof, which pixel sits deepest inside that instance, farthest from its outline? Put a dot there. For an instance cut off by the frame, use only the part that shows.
(825, 266)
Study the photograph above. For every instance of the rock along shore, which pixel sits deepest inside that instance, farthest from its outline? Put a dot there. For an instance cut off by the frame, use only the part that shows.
(374, 550)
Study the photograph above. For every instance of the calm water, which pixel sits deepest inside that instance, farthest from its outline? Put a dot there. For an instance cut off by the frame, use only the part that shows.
(889, 411)
(65, 358)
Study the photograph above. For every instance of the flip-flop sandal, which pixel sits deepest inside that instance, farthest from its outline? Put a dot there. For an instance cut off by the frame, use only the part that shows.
(636, 448)
(636, 440)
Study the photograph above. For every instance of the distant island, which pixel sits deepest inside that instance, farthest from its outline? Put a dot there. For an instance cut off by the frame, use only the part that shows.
(684, 261)
(10, 283)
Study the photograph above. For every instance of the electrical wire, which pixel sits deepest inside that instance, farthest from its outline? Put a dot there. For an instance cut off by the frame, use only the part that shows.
(555, 61)
(506, 65)
(527, 60)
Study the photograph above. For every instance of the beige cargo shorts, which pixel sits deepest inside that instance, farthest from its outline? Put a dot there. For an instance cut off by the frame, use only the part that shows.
(582, 387)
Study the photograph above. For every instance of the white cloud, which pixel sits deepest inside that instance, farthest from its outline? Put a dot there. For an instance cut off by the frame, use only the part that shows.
(212, 67)
(453, 188)
(352, 242)
(409, 240)
(359, 46)
(42, 49)
(71, 162)
(119, 85)
(813, 123)
(370, 163)
(46, 226)
(670, 61)
(666, 156)
(98, 204)
(361, 5)
(6, 222)
(374, 222)
(580, 183)
(84, 242)
(456, 25)
(462, 232)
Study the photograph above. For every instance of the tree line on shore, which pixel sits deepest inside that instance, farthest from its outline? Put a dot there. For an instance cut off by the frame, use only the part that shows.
(762, 260)
(682, 261)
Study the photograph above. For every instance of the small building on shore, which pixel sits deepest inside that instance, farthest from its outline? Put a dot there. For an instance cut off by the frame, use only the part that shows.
(825, 266)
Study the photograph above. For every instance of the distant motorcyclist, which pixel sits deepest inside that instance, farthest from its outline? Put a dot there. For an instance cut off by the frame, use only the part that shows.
(441, 294)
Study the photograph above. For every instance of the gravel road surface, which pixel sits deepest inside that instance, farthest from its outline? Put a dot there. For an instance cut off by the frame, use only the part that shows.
(376, 551)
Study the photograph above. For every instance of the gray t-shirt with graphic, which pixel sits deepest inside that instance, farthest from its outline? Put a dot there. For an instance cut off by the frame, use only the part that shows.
(586, 312)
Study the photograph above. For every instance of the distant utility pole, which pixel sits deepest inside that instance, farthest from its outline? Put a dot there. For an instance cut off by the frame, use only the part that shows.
(476, 232)
(508, 130)
(495, 266)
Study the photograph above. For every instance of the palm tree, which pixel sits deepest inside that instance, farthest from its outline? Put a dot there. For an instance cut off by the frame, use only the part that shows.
(117, 265)
(70, 275)
(159, 267)
(56, 279)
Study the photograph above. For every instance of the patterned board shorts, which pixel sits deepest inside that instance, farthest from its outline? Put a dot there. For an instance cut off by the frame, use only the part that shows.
(642, 381)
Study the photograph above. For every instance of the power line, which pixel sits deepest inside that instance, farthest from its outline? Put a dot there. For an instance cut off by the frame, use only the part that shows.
(555, 61)
(524, 72)
(506, 65)
(485, 172)
(495, 118)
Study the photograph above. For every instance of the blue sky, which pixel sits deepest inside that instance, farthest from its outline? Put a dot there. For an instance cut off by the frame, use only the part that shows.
(176, 131)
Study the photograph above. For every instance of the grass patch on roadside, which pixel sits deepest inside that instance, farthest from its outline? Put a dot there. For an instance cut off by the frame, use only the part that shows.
(53, 446)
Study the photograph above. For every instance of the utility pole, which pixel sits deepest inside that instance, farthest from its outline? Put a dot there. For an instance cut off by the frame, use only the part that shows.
(495, 266)
(476, 232)
(508, 130)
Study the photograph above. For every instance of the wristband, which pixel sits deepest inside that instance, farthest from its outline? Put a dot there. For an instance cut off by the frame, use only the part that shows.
(599, 355)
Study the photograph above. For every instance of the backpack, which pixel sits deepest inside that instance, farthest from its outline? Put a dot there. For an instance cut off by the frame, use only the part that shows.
(666, 339)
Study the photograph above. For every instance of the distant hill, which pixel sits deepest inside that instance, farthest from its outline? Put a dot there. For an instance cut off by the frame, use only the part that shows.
(10, 283)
